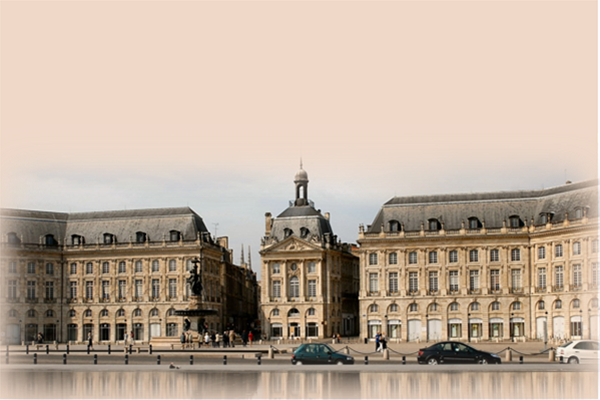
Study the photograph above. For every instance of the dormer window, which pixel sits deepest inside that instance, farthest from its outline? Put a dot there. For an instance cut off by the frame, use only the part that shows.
(175, 236)
(545, 217)
(474, 223)
(140, 237)
(304, 232)
(109, 238)
(287, 232)
(434, 225)
(77, 240)
(50, 241)
(394, 226)
(12, 238)
(515, 221)
(578, 212)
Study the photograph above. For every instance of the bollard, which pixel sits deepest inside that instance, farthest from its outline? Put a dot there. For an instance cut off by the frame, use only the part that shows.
(27, 349)
(386, 354)
(126, 359)
(403, 360)
(64, 359)
(551, 355)
(520, 359)
(109, 349)
(95, 359)
(7, 360)
(35, 358)
(259, 361)
(130, 348)
(191, 359)
(508, 355)
(158, 359)
(150, 349)
(366, 360)
(270, 353)
(68, 349)
(47, 349)
(88, 349)
(224, 360)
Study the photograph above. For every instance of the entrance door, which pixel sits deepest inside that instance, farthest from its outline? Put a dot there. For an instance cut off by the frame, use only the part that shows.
(558, 326)
(594, 327)
(540, 328)
(154, 330)
(13, 334)
(414, 329)
(434, 329)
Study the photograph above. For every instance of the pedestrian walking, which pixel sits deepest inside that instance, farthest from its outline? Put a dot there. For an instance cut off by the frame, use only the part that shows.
(218, 340)
(250, 337)
(378, 341)
(213, 339)
(383, 342)
(244, 338)
(206, 339)
(225, 339)
(90, 341)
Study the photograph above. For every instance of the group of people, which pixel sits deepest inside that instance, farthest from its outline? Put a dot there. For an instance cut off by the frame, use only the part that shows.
(380, 342)
(215, 339)
(337, 338)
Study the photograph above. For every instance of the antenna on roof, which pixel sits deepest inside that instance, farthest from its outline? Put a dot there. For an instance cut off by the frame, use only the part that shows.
(300, 162)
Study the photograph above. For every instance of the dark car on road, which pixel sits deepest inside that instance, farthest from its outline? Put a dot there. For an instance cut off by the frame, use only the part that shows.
(455, 352)
(319, 353)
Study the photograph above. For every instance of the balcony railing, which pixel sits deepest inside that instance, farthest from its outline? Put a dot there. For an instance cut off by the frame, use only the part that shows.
(52, 300)
(155, 299)
(137, 299)
(105, 299)
(516, 290)
(373, 293)
(121, 299)
(558, 288)
(496, 291)
(453, 291)
(474, 291)
(433, 292)
(31, 299)
(413, 292)
(576, 287)
(12, 299)
(87, 300)
(72, 300)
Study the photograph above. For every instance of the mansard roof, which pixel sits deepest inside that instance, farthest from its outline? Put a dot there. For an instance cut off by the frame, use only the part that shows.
(156, 223)
(492, 208)
(295, 218)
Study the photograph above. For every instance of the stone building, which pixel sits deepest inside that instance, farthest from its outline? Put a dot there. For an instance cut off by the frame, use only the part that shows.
(485, 266)
(113, 273)
(309, 278)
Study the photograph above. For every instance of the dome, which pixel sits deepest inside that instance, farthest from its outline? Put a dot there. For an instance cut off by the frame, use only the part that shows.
(301, 175)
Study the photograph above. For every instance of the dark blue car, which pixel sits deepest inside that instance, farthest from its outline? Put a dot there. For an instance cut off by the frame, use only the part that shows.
(319, 353)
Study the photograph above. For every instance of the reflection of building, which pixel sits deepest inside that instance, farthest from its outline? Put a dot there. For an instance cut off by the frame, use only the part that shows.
(483, 266)
(310, 280)
(114, 272)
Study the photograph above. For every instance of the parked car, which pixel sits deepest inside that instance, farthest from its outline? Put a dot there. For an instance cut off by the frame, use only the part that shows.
(455, 352)
(319, 353)
(578, 351)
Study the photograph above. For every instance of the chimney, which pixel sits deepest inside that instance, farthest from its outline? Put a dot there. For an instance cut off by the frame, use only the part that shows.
(327, 216)
(223, 242)
(268, 224)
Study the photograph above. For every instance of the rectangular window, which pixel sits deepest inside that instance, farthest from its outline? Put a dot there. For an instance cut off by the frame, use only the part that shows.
(276, 268)
(49, 269)
(373, 283)
(558, 276)
(138, 266)
(12, 289)
(89, 268)
(105, 290)
(576, 276)
(72, 290)
(49, 290)
(276, 293)
(541, 253)
(122, 267)
(474, 280)
(473, 256)
(433, 281)
(413, 282)
(594, 274)
(433, 259)
(576, 248)
(494, 255)
(155, 266)
(155, 288)
(495, 279)
(516, 279)
(595, 246)
(139, 289)
(453, 256)
(373, 259)
(172, 265)
(122, 288)
(453, 280)
(312, 288)
(89, 290)
(558, 251)
(412, 257)
(73, 269)
(31, 268)
(172, 288)
(542, 278)
(312, 267)
(105, 268)
(515, 255)
(12, 267)
(31, 290)
(575, 328)
(393, 282)
(393, 258)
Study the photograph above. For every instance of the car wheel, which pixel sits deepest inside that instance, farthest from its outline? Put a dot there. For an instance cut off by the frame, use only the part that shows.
(483, 361)
(340, 362)
(432, 361)
(573, 360)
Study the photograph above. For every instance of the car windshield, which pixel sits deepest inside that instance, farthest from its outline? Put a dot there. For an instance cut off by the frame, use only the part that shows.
(566, 344)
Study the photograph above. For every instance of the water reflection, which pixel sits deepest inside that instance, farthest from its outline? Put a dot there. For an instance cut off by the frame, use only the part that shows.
(297, 385)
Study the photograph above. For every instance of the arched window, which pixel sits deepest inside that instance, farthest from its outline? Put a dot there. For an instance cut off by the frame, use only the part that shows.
(412, 257)
(454, 306)
(496, 306)
(578, 212)
(275, 313)
(154, 312)
(287, 232)
(12, 238)
(31, 313)
(104, 313)
(304, 232)
(394, 226)
(393, 308)
(140, 237)
(120, 312)
(515, 221)
(433, 307)
(474, 306)
(109, 238)
(413, 307)
(374, 308)
(49, 314)
(434, 224)
(13, 314)
(433, 257)
(516, 306)
(155, 266)
(87, 313)
(575, 304)
(294, 287)
(72, 313)
(294, 313)
(311, 311)
(137, 312)
(541, 305)
(558, 304)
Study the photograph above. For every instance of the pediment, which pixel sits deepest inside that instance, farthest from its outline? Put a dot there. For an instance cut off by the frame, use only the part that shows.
(295, 244)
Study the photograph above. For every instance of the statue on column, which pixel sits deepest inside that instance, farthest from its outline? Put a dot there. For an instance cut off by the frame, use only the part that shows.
(195, 278)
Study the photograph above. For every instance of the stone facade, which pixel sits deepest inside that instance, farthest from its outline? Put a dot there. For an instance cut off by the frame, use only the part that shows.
(506, 265)
(310, 279)
(114, 273)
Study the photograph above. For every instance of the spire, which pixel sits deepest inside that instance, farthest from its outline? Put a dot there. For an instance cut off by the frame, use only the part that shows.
(242, 255)
(300, 162)
(249, 258)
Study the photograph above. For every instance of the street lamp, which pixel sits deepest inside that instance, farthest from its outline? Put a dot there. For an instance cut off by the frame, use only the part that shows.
(469, 328)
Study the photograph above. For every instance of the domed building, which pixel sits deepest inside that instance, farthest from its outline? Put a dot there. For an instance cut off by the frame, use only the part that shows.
(310, 279)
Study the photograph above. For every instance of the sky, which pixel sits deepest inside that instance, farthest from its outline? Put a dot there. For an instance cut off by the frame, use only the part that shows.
(145, 104)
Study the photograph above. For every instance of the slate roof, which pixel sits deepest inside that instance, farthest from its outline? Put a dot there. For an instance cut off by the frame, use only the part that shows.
(493, 208)
(31, 226)
(297, 217)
